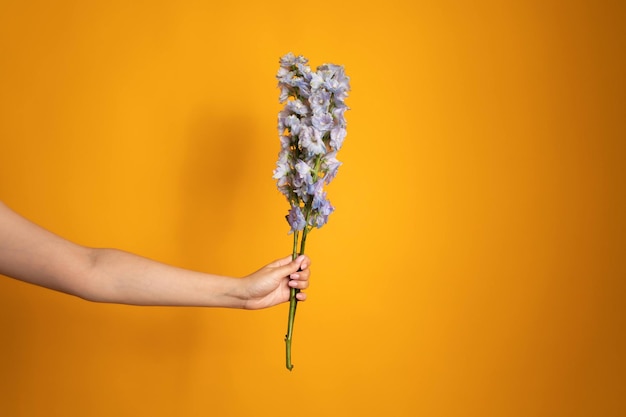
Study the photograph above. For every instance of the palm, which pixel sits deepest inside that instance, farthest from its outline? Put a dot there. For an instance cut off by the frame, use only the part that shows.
(269, 286)
(264, 292)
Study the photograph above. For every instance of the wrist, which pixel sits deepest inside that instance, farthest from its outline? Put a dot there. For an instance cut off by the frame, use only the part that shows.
(236, 293)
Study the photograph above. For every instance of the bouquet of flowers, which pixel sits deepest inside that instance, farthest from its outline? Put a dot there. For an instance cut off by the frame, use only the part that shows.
(312, 128)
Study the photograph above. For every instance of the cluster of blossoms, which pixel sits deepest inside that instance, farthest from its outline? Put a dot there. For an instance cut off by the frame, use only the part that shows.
(312, 128)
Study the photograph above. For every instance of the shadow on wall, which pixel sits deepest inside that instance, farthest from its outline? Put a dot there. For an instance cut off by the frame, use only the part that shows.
(135, 342)
(213, 184)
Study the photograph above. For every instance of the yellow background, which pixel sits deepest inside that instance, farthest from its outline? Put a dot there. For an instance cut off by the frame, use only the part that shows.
(475, 262)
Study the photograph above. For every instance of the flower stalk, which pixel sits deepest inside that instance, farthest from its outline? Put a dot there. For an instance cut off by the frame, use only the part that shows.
(293, 304)
(312, 128)
(293, 301)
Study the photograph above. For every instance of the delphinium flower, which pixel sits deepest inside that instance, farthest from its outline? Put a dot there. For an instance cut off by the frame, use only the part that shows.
(312, 128)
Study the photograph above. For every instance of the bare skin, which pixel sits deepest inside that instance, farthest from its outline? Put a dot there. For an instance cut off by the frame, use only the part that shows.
(32, 254)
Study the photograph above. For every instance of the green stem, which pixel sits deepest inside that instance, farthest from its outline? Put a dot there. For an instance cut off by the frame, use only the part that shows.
(303, 242)
(293, 303)
(294, 252)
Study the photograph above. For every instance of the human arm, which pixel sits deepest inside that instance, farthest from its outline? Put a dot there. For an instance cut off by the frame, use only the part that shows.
(33, 254)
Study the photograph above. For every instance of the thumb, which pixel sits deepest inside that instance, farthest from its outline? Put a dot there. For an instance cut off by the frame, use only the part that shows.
(287, 266)
(281, 262)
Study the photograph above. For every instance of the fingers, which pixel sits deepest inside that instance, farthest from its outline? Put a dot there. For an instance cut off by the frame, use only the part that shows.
(300, 278)
(303, 262)
(281, 262)
(286, 267)
(297, 270)
(302, 271)
(299, 283)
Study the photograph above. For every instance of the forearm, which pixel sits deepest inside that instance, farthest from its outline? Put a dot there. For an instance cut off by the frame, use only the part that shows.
(120, 277)
(32, 254)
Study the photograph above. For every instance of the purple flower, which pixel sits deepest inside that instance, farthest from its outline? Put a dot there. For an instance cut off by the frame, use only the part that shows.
(304, 171)
(313, 144)
(316, 81)
(311, 141)
(316, 188)
(296, 219)
(322, 121)
(338, 114)
(284, 94)
(285, 141)
(283, 168)
(312, 128)
(330, 165)
(297, 106)
(305, 70)
(290, 60)
(292, 122)
(335, 80)
(320, 101)
(323, 210)
(301, 85)
(284, 76)
(337, 135)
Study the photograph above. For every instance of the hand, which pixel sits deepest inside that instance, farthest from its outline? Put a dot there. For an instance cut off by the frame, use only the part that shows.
(271, 284)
